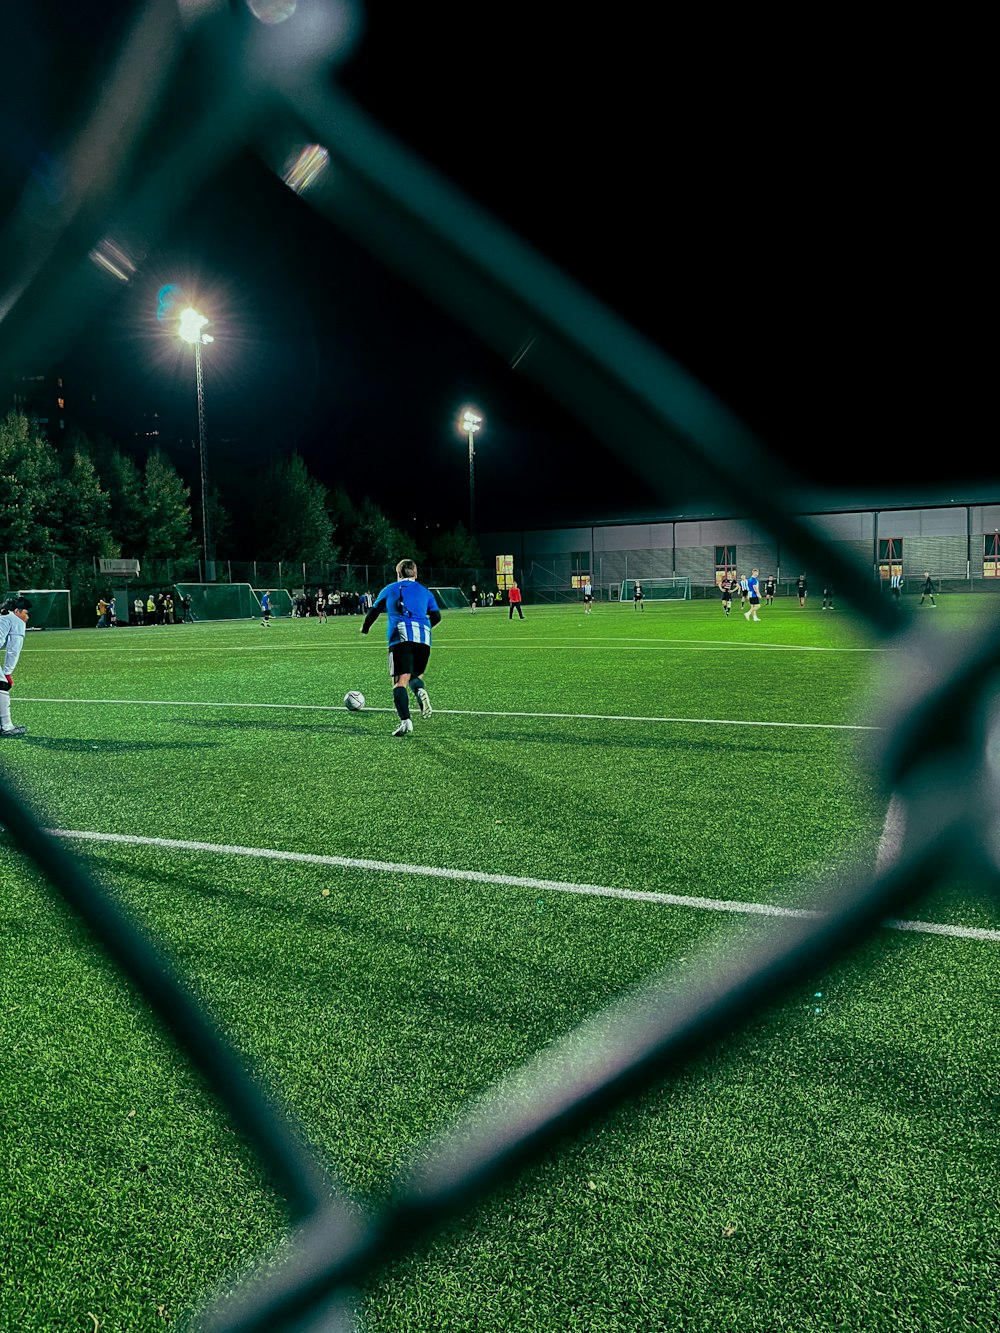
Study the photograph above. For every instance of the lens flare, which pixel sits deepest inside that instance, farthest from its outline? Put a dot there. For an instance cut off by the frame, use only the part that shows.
(306, 168)
(272, 11)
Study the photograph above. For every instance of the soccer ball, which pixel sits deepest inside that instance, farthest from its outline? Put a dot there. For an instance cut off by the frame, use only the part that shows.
(354, 700)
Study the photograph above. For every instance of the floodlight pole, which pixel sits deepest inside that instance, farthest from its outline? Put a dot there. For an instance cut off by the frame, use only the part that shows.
(191, 329)
(200, 382)
(472, 486)
(471, 422)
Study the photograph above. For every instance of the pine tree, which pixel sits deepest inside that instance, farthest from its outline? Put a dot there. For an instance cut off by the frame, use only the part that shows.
(378, 540)
(167, 512)
(29, 495)
(124, 484)
(455, 549)
(290, 513)
(84, 511)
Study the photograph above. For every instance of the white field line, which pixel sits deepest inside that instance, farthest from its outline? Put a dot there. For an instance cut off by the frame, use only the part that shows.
(462, 712)
(505, 881)
(552, 641)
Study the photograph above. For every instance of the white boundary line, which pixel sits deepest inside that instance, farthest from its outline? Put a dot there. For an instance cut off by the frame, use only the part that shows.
(463, 712)
(611, 644)
(507, 881)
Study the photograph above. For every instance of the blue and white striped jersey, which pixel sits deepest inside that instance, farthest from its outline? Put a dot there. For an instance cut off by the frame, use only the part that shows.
(411, 608)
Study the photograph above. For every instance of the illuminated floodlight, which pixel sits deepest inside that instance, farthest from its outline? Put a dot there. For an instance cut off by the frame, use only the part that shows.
(190, 326)
(471, 420)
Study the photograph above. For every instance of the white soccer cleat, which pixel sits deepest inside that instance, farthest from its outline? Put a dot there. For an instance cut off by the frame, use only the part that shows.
(405, 728)
(746, 615)
(424, 699)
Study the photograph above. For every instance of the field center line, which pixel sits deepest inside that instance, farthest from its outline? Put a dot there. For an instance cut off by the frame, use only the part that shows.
(507, 881)
(466, 712)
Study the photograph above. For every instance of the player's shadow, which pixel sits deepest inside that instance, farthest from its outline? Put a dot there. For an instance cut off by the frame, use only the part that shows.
(636, 740)
(257, 724)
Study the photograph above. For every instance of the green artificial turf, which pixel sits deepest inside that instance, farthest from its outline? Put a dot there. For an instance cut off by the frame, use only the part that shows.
(834, 1167)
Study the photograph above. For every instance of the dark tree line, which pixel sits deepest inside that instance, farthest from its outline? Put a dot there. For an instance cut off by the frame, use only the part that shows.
(63, 507)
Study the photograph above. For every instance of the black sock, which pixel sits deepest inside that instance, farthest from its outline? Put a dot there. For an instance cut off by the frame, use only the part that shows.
(402, 701)
(416, 684)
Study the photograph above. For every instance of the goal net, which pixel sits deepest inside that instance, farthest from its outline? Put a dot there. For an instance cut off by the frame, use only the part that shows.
(281, 600)
(219, 601)
(677, 588)
(50, 607)
(450, 599)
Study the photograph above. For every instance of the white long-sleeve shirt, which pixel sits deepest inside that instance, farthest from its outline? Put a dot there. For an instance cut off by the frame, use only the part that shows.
(11, 641)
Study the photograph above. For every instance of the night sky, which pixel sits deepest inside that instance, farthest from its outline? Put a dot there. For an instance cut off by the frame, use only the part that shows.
(740, 193)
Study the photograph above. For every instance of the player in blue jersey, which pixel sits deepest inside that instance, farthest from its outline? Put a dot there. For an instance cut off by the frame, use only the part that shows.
(753, 596)
(265, 606)
(412, 613)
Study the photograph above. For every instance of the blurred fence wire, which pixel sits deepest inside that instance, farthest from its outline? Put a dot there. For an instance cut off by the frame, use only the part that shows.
(136, 161)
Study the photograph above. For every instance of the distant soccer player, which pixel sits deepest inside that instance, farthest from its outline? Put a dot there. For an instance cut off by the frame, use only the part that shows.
(800, 588)
(929, 588)
(828, 598)
(726, 587)
(13, 618)
(514, 601)
(638, 600)
(744, 591)
(588, 597)
(412, 612)
(265, 606)
(753, 596)
(769, 589)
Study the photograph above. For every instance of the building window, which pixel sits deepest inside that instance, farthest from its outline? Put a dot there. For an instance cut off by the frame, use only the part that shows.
(991, 555)
(890, 557)
(725, 563)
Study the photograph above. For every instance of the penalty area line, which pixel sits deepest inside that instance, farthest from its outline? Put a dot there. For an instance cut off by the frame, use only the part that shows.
(504, 881)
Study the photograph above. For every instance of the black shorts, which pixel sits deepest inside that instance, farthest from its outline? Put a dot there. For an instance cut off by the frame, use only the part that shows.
(754, 599)
(408, 659)
(588, 596)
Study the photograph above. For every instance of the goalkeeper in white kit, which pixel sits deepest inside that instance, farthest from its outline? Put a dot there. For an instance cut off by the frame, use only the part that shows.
(13, 618)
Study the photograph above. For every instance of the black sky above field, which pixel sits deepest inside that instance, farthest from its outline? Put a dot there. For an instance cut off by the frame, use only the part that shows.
(734, 191)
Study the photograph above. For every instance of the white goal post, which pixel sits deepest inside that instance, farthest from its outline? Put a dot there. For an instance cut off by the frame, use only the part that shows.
(676, 588)
(51, 608)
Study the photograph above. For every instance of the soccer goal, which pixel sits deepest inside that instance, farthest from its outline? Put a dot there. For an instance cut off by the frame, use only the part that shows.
(219, 601)
(281, 600)
(450, 599)
(51, 608)
(674, 589)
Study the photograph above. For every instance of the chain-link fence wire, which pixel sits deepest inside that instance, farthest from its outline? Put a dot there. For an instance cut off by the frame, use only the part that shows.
(140, 156)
